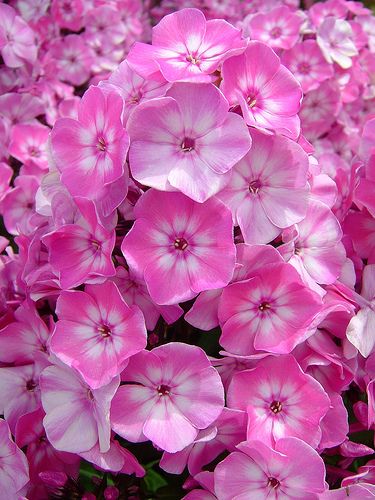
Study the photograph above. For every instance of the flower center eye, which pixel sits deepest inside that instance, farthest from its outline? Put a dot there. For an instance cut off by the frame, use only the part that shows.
(275, 32)
(297, 251)
(273, 483)
(180, 244)
(34, 152)
(30, 385)
(193, 60)
(163, 390)
(90, 395)
(276, 407)
(251, 101)
(102, 146)
(304, 68)
(187, 145)
(264, 306)
(254, 187)
(104, 331)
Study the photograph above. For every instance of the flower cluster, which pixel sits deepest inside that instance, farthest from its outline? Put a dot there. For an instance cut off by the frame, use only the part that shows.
(187, 276)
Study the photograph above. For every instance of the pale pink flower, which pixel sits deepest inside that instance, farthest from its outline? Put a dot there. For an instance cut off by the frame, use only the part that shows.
(170, 394)
(331, 8)
(98, 343)
(291, 470)
(281, 401)
(279, 28)
(17, 39)
(67, 13)
(90, 152)
(314, 245)
(77, 417)
(20, 108)
(186, 141)
(14, 469)
(268, 188)
(307, 63)
(180, 247)
(81, 252)
(335, 38)
(186, 47)
(272, 311)
(29, 144)
(266, 91)
(104, 24)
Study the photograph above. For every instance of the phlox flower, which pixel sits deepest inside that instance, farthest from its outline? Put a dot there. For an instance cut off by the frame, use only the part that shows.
(186, 141)
(20, 108)
(170, 394)
(307, 63)
(14, 469)
(314, 246)
(268, 188)
(17, 39)
(335, 38)
(81, 252)
(318, 12)
(98, 343)
(185, 47)
(266, 91)
(280, 400)
(29, 144)
(90, 152)
(180, 247)
(271, 311)
(279, 28)
(291, 470)
(67, 13)
(77, 417)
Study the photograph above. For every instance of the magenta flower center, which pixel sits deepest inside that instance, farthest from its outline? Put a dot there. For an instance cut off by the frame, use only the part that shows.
(90, 395)
(102, 146)
(276, 32)
(104, 331)
(163, 390)
(254, 186)
(192, 59)
(187, 145)
(304, 68)
(273, 483)
(276, 407)
(31, 385)
(264, 306)
(180, 244)
(251, 101)
(34, 152)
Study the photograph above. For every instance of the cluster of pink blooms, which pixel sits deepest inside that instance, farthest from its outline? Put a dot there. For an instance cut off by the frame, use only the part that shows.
(188, 249)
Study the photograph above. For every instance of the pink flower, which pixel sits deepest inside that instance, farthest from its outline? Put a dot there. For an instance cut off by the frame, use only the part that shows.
(73, 59)
(186, 47)
(81, 252)
(268, 188)
(17, 39)
(272, 311)
(314, 246)
(67, 13)
(180, 247)
(29, 144)
(281, 401)
(14, 470)
(90, 152)
(171, 393)
(98, 343)
(291, 470)
(279, 28)
(307, 63)
(186, 141)
(335, 38)
(268, 94)
(77, 417)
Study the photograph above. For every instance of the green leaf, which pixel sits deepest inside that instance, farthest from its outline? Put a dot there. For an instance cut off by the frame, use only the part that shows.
(154, 481)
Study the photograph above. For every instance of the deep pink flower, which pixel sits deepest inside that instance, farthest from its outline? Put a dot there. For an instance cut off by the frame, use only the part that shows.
(281, 401)
(17, 39)
(279, 28)
(77, 417)
(307, 63)
(29, 144)
(272, 311)
(186, 47)
(90, 152)
(266, 91)
(14, 470)
(186, 141)
(67, 13)
(268, 188)
(291, 470)
(171, 393)
(20, 108)
(98, 343)
(180, 247)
